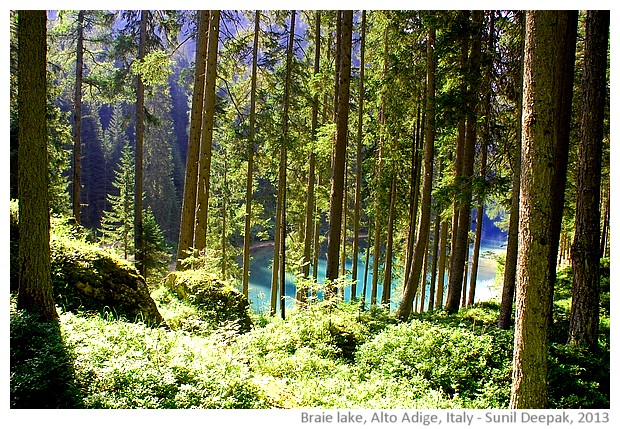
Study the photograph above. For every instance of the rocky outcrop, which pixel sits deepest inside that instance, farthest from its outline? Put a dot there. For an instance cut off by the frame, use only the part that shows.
(86, 277)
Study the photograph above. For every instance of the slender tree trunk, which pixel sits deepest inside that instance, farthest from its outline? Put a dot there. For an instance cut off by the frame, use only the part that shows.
(343, 239)
(548, 33)
(224, 216)
(442, 263)
(35, 285)
(379, 172)
(387, 276)
(414, 193)
(486, 140)
(465, 272)
(584, 316)
(605, 229)
(423, 279)
(281, 208)
(460, 147)
(337, 185)
(206, 141)
(564, 82)
(460, 246)
(139, 186)
(302, 294)
(249, 178)
(358, 163)
(406, 304)
(510, 268)
(186, 234)
(431, 297)
(77, 118)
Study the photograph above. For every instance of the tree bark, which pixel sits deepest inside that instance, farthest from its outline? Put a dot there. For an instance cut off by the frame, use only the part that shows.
(442, 263)
(547, 34)
(250, 148)
(358, 163)
(460, 246)
(206, 140)
(584, 316)
(431, 296)
(302, 294)
(337, 185)
(387, 276)
(77, 118)
(564, 82)
(186, 234)
(510, 268)
(35, 285)
(406, 305)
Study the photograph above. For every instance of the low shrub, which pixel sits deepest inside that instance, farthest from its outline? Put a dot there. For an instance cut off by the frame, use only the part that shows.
(214, 300)
(130, 365)
(578, 377)
(456, 362)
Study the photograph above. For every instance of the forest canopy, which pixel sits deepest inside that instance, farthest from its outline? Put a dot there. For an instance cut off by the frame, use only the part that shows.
(248, 164)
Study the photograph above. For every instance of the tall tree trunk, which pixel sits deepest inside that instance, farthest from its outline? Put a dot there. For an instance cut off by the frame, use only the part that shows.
(548, 33)
(379, 172)
(465, 272)
(337, 182)
(431, 296)
(387, 276)
(404, 310)
(250, 148)
(460, 144)
(486, 141)
(279, 264)
(510, 268)
(460, 246)
(414, 192)
(423, 279)
(223, 262)
(441, 270)
(206, 140)
(139, 176)
(564, 102)
(186, 233)
(584, 316)
(35, 285)
(358, 163)
(605, 228)
(302, 293)
(77, 118)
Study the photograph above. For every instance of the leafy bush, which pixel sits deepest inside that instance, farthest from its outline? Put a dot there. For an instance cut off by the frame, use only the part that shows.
(123, 365)
(578, 377)
(215, 300)
(455, 362)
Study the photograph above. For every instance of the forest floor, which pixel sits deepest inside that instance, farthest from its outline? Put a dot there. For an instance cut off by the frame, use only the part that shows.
(324, 356)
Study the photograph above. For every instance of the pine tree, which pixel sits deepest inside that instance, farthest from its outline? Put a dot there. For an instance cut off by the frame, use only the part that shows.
(156, 252)
(118, 222)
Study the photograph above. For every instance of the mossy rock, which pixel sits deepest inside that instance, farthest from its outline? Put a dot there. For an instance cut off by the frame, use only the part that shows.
(215, 299)
(86, 277)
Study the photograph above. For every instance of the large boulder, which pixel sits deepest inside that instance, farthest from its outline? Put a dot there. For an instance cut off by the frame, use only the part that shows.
(216, 300)
(86, 277)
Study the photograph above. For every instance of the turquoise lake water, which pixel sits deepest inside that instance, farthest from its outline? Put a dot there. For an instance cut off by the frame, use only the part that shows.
(260, 277)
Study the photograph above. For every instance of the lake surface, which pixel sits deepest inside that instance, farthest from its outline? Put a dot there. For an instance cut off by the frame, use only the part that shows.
(260, 276)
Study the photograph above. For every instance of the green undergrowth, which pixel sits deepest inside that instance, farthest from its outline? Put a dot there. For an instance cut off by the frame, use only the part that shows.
(327, 355)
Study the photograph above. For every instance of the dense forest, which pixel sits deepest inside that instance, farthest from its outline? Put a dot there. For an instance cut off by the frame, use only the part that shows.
(368, 156)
